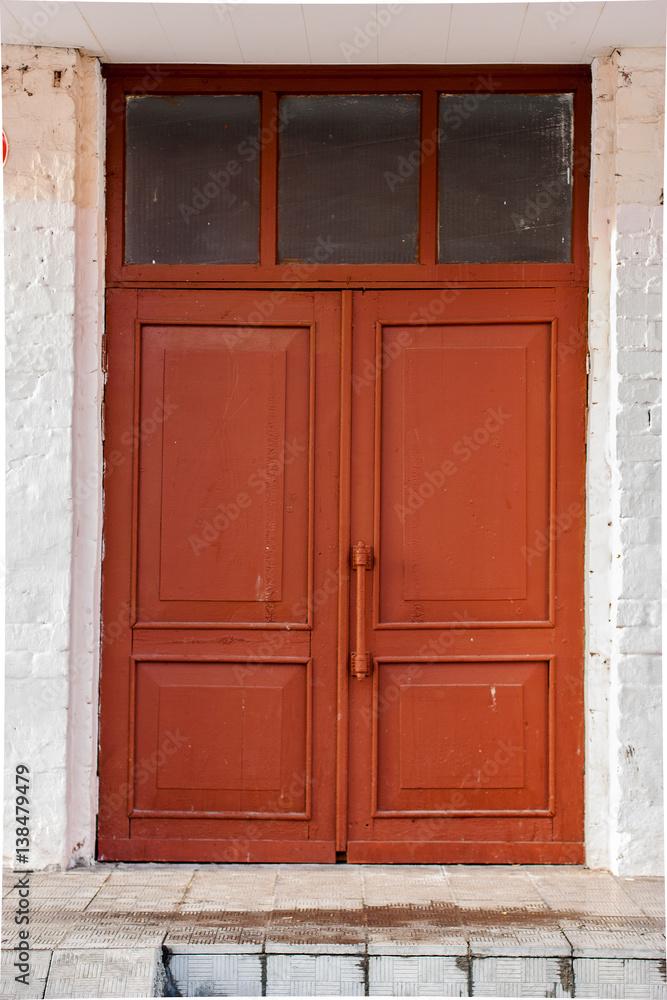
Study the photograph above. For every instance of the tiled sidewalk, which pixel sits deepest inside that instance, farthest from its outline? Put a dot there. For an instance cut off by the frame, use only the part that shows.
(426, 930)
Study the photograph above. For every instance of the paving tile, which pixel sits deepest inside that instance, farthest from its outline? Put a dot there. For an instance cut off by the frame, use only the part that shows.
(615, 939)
(104, 973)
(647, 893)
(39, 967)
(522, 977)
(193, 938)
(415, 976)
(510, 940)
(635, 979)
(314, 975)
(45, 934)
(117, 933)
(415, 940)
(216, 975)
(586, 893)
(493, 888)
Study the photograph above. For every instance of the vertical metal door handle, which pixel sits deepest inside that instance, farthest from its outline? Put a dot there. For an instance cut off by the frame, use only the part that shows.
(361, 561)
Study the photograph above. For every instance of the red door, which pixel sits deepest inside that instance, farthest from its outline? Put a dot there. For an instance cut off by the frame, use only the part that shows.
(467, 483)
(246, 450)
(218, 737)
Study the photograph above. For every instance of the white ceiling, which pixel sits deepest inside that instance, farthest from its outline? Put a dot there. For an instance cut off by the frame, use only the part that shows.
(321, 33)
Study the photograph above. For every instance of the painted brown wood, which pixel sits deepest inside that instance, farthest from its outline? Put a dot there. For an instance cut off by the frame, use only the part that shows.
(270, 82)
(221, 537)
(241, 639)
(467, 472)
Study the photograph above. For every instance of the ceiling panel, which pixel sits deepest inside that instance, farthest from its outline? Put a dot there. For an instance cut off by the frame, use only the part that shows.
(271, 33)
(59, 24)
(343, 34)
(338, 34)
(485, 33)
(129, 32)
(623, 24)
(208, 37)
(417, 34)
(557, 32)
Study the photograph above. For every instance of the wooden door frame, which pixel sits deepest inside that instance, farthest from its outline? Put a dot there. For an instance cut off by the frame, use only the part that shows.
(124, 79)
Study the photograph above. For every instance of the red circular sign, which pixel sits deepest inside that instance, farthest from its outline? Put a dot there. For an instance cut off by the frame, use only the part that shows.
(5, 147)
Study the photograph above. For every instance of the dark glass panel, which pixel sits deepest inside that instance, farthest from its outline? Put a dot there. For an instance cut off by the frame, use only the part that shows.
(505, 178)
(192, 180)
(348, 192)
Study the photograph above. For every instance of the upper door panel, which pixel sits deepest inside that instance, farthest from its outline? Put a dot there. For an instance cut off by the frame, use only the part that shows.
(227, 479)
(464, 461)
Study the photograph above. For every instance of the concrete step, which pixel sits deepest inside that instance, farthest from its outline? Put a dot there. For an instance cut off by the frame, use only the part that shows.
(217, 975)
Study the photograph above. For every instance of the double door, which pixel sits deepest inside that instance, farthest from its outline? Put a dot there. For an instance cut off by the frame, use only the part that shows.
(343, 576)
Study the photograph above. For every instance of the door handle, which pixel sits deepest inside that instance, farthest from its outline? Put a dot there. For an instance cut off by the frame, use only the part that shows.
(362, 558)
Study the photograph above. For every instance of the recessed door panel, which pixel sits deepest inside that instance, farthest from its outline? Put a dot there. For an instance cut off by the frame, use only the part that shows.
(464, 472)
(228, 739)
(224, 475)
(458, 737)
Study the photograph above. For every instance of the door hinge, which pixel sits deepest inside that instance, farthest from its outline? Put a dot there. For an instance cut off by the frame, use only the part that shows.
(104, 353)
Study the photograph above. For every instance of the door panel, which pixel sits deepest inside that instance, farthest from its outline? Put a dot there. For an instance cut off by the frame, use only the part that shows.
(464, 472)
(466, 738)
(220, 532)
(244, 397)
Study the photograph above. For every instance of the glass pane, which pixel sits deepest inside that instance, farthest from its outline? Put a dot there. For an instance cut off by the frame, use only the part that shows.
(505, 178)
(347, 190)
(192, 180)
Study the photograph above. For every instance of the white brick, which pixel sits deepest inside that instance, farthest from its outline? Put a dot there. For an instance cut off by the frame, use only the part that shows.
(640, 189)
(639, 639)
(640, 275)
(638, 137)
(631, 612)
(641, 59)
(633, 103)
(632, 219)
(638, 530)
(633, 420)
(640, 568)
(642, 364)
(632, 304)
(640, 448)
(640, 670)
(648, 391)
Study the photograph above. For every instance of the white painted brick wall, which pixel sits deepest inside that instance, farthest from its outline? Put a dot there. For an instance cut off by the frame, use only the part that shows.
(43, 212)
(635, 709)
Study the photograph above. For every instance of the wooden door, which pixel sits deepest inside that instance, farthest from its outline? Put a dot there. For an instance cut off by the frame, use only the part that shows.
(220, 585)
(467, 479)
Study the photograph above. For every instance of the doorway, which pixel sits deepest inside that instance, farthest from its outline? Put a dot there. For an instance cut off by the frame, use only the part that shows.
(343, 569)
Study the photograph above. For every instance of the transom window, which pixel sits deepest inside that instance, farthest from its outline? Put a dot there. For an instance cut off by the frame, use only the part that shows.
(359, 175)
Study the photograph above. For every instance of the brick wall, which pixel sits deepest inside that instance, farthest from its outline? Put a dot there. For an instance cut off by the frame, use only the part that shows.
(53, 304)
(637, 837)
(624, 792)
